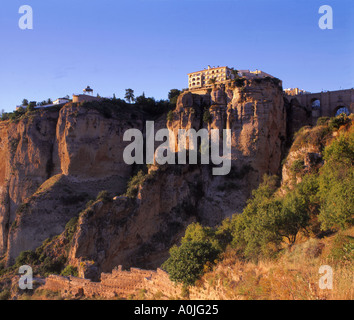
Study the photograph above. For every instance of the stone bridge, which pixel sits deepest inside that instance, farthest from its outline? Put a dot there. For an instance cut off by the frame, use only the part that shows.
(327, 104)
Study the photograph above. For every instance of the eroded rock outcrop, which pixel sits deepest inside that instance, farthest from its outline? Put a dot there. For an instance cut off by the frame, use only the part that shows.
(26, 149)
(256, 116)
(73, 154)
(80, 143)
(139, 232)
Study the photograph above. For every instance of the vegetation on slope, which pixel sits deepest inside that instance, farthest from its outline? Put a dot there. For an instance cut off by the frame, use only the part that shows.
(271, 224)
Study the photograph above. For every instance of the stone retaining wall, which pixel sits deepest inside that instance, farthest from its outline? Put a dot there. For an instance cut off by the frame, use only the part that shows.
(119, 283)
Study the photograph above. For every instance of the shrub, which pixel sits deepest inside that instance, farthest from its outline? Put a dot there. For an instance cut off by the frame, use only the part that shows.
(186, 263)
(26, 258)
(336, 184)
(89, 203)
(70, 271)
(104, 196)
(338, 121)
(343, 249)
(297, 166)
(207, 116)
(70, 227)
(51, 266)
(269, 219)
(240, 82)
(173, 96)
(311, 136)
(322, 121)
(170, 116)
(134, 183)
(5, 294)
(195, 232)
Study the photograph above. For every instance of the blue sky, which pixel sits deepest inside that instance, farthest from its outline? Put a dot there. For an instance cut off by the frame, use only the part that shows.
(151, 45)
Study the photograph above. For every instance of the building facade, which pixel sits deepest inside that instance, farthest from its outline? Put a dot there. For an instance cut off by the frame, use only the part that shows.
(207, 77)
(77, 98)
(61, 101)
(295, 91)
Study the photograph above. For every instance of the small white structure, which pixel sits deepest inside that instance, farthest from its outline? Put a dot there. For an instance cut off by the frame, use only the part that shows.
(88, 90)
(295, 91)
(61, 101)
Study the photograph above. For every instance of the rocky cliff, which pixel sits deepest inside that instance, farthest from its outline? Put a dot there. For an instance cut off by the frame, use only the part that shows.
(54, 162)
(256, 115)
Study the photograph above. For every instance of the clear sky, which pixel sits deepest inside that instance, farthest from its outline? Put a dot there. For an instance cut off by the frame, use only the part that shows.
(151, 45)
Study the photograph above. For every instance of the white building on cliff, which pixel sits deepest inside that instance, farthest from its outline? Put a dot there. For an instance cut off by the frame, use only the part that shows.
(207, 77)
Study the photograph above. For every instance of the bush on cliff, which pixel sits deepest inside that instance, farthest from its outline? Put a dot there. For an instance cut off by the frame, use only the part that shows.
(40, 263)
(337, 184)
(173, 96)
(20, 113)
(338, 121)
(26, 258)
(207, 116)
(271, 221)
(104, 196)
(170, 116)
(187, 262)
(240, 82)
(70, 271)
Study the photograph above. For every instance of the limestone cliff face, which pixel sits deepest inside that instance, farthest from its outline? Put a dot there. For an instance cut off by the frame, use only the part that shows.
(79, 143)
(53, 163)
(25, 163)
(90, 146)
(257, 118)
(139, 232)
(305, 155)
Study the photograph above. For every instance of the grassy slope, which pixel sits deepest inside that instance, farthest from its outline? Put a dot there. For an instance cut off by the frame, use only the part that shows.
(294, 275)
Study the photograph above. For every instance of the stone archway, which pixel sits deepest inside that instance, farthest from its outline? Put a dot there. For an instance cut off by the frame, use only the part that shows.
(315, 108)
(341, 109)
(315, 103)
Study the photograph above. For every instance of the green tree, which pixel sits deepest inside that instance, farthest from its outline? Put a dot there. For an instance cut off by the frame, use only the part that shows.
(129, 95)
(173, 95)
(141, 100)
(294, 216)
(25, 102)
(30, 107)
(195, 232)
(254, 231)
(187, 262)
(336, 184)
(235, 73)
